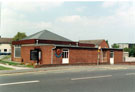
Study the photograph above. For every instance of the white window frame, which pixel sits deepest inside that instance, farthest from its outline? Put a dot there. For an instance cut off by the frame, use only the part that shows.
(66, 51)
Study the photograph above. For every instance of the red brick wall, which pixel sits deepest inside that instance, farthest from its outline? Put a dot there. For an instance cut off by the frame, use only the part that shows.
(75, 55)
(108, 57)
(82, 56)
(25, 54)
(46, 54)
(104, 44)
(56, 60)
(118, 56)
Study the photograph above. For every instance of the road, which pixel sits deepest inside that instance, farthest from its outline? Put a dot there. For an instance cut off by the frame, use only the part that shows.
(106, 80)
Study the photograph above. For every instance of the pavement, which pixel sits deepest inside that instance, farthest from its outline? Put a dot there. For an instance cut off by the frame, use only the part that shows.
(103, 78)
(67, 69)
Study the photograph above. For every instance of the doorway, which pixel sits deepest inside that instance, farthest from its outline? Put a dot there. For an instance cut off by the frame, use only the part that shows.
(111, 57)
(65, 56)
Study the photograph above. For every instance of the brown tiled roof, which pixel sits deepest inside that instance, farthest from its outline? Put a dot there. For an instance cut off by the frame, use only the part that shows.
(5, 40)
(96, 42)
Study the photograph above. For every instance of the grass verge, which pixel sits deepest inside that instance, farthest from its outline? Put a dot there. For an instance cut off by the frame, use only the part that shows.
(9, 63)
(15, 64)
(5, 68)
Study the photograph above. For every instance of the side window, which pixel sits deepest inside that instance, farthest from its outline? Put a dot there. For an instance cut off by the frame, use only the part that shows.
(33, 55)
(5, 50)
(17, 51)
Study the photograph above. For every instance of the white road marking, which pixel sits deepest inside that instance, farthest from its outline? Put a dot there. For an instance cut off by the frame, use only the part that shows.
(23, 82)
(130, 74)
(83, 78)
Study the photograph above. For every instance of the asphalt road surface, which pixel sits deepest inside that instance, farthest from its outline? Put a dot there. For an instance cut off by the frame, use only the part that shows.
(119, 80)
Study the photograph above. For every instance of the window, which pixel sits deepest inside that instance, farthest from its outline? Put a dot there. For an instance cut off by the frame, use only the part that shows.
(17, 51)
(111, 54)
(5, 50)
(65, 53)
(34, 55)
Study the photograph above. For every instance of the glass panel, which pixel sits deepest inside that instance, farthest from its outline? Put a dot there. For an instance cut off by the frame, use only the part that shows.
(34, 55)
(17, 52)
(111, 55)
(65, 53)
(5, 50)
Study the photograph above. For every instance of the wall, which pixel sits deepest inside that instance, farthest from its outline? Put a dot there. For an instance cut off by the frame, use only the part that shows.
(5, 46)
(76, 55)
(104, 44)
(56, 60)
(122, 45)
(118, 57)
(25, 54)
(82, 56)
(129, 59)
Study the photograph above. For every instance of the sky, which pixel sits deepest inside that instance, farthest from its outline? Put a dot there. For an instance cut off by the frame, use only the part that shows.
(76, 20)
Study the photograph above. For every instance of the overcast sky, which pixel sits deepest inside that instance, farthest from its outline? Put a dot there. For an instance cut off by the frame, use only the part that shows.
(113, 21)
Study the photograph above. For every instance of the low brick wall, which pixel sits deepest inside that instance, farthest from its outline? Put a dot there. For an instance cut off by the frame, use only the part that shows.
(126, 63)
(129, 59)
(77, 64)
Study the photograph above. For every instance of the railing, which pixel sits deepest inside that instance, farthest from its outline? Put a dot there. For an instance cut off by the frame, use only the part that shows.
(4, 53)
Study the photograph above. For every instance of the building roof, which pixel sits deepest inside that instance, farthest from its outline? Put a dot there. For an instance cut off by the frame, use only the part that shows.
(5, 40)
(96, 42)
(124, 43)
(46, 35)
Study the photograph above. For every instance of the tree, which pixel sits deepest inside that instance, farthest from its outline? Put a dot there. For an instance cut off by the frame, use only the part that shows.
(115, 46)
(19, 36)
(126, 49)
(132, 51)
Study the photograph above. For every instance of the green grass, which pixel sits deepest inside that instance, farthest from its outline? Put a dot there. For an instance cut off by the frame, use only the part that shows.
(5, 61)
(15, 64)
(9, 63)
(30, 66)
(5, 68)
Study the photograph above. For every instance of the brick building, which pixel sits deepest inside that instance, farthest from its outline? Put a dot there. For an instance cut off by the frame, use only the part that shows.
(102, 43)
(5, 46)
(46, 47)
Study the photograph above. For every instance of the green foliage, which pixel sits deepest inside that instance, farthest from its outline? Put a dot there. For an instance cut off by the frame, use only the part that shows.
(132, 52)
(115, 46)
(19, 36)
(126, 49)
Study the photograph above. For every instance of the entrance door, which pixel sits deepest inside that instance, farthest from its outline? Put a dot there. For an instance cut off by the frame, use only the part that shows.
(111, 57)
(65, 56)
